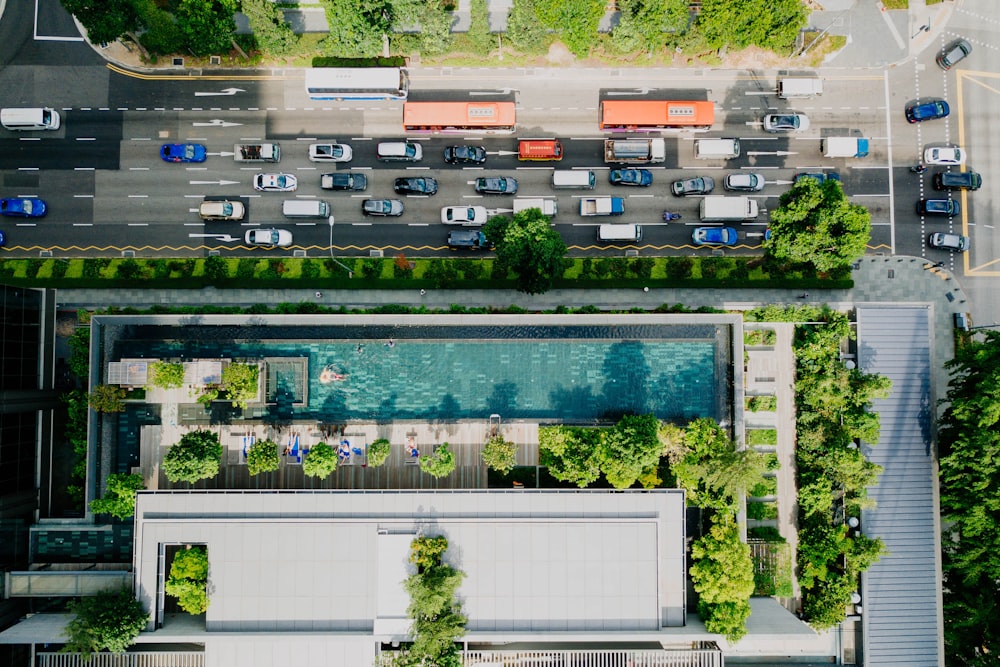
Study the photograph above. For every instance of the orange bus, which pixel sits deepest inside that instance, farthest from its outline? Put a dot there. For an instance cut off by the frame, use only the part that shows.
(541, 150)
(618, 115)
(475, 117)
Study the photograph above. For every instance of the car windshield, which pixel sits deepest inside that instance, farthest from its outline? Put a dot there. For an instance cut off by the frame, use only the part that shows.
(786, 121)
(227, 209)
(189, 151)
(279, 181)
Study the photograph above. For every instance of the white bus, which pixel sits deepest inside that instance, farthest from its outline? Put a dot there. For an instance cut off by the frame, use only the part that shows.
(357, 83)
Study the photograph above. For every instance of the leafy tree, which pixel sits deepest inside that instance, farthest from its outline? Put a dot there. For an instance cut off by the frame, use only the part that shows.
(524, 31)
(162, 34)
(357, 27)
(437, 616)
(574, 21)
(79, 358)
(108, 621)
(107, 398)
(478, 35)
(644, 23)
(530, 247)
(207, 25)
(672, 440)
(426, 552)
(216, 267)
(722, 575)
(571, 454)
(439, 464)
(630, 449)
(321, 461)
(378, 452)
(240, 382)
(262, 456)
(272, 34)
(104, 20)
(770, 24)
(166, 375)
(119, 497)
(188, 580)
(713, 473)
(194, 458)
(816, 224)
(499, 454)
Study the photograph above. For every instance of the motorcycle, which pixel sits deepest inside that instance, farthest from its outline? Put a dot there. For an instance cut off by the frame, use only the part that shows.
(918, 169)
(668, 216)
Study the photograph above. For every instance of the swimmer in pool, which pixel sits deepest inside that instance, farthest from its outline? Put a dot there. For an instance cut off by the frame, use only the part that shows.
(330, 374)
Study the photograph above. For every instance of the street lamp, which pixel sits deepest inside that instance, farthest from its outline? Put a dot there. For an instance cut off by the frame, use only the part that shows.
(350, 274)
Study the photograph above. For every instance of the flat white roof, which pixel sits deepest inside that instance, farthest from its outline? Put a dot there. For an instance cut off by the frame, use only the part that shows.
(599, 562)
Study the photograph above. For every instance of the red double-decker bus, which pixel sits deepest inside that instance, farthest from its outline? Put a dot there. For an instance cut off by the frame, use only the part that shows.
(652, 115)
(475, 117)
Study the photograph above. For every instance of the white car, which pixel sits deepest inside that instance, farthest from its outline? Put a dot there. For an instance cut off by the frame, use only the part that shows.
(280, 238)
(786, 122)
(275, 183)
(221, 210)
(946, 155)
(464, 215)
(744, 182)
(330, 152)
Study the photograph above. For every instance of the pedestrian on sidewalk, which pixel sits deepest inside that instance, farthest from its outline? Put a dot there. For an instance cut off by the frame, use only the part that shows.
(804, 295)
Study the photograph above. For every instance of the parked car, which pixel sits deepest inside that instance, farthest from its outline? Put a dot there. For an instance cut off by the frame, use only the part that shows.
(945, 241)
(744, 182)
(3, 239)
(953, 54)
(500, 185)
(819, 176)
(930, 110)
(954, 180)
(221, 210)
(182, 153)
(945, 155)
(280, 238)
(938, 207)
(714, 236)
(330, 153)
(464, 215)
(275, 183)
(415, 186)
(344, 180)
(23, 207)
(786, 122)
(699, 185)
(465, 155)
(642, 178)
(384, 207)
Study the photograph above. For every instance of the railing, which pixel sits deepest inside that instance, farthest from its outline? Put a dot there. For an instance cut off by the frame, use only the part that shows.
(706, 654)
(139, 659)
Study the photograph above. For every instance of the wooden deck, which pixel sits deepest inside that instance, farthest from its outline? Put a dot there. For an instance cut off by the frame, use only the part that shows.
(465, 439)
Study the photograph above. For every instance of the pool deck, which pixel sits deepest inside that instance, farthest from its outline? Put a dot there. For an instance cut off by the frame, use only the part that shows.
(400, 471)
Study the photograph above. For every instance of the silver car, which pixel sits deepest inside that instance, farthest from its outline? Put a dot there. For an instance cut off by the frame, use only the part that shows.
(269, 238)
(744, 182)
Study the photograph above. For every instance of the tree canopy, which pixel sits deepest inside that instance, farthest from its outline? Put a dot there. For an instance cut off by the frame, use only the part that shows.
(438, 621)
(262, 456)
(119, 497)
(530, 247)
(194, 458)
(722, 575)
(969, 438)
(321, 461)
(711, 470)
(439, 464)
(240, 383)
(499, 454)
(816, 224)
(104, 20)
(770, 24)
(645, 24)
(166, 375)
(188, 581)
(107, 398)
(108, 621)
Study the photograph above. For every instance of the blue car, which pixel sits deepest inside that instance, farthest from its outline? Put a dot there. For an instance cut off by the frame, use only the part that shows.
(916, 113)
(819, 176)
(714, 236)
(182, 153)
(639, 177)
(22, 207)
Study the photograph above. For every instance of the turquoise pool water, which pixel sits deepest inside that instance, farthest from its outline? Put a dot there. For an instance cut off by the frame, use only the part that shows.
(573, 377)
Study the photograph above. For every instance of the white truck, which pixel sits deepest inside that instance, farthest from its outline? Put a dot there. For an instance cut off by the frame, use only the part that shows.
(844, 147)
(634, 151)
(719, 208)
(792, 87)
(257, 153)
(548, 207)
(602, 206)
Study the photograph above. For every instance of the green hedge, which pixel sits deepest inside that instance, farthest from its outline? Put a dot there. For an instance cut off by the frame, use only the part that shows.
(766, 337)
(762, 436)
(384, 273)
(761, 403)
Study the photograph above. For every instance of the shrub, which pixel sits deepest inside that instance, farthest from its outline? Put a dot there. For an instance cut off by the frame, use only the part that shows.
(246, 267)
(107, 398)
(119, 497)
(240, 382)
(378, 452)
(188, 580)
(321, 461)
(762, 436)
(262, 456)
(761, 403)
(499, 454)
(679, 268)
(310, 269)
(194, 458)
(371, 268)
(166, 375)
(107, 621)
(643, 267)
(766, 337)
(439, 464)
(216, 268)
(79, 358)
(128, 269)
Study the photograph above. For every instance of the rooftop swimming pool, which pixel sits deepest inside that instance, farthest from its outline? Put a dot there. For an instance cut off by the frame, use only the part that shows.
(431, 371)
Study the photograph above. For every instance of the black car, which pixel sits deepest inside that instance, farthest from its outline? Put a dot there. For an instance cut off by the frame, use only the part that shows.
(638, 177)
(938, 207)
(343, 180)
(465, 155)
(700, 185)
(956, 52)
(957, 180)
(415, 186)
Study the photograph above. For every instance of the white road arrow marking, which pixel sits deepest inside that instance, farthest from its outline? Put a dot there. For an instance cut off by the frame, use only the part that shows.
(214, 182)
(221, 237)
(216, 122)
(501, 152)
(223, 154)
(771, 153)
(224, 91)
(780, 182)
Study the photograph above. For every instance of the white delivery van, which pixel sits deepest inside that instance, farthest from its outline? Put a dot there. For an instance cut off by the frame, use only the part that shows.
(305, 208)
(792, 87)
(578, 179)
(30, 119)
(719, 208)
(844, 147)
(548, 207)
(626, 232)
(717, 149)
